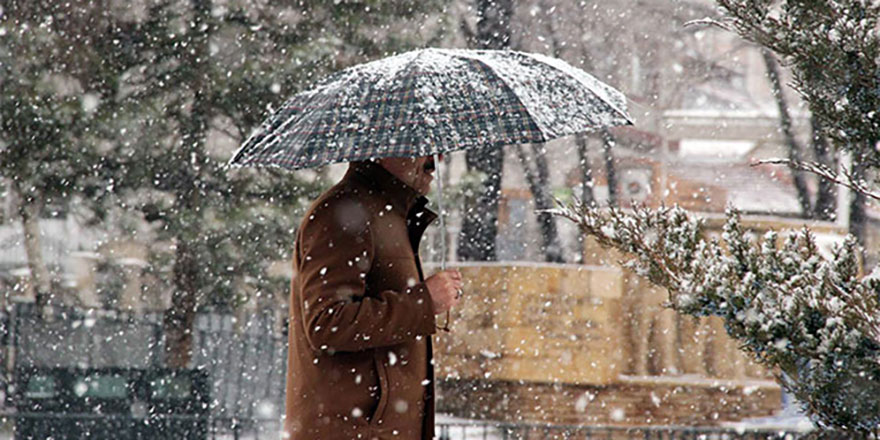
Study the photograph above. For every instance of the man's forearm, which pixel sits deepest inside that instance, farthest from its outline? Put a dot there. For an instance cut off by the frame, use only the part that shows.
(368, 322)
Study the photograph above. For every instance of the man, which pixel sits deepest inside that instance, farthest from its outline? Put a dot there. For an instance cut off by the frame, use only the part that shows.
(361, 312)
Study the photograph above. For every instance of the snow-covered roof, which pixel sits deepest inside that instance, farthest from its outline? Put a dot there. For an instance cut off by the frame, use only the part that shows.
(714, 150)
(751, 189)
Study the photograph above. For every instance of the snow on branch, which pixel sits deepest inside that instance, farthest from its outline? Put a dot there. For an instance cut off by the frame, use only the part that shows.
(844, 178)
(708, 21)
(832, 48)
(813, 317)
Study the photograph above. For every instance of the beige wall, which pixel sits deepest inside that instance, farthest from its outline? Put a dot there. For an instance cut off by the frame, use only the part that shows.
(545, 323)
(549, 331)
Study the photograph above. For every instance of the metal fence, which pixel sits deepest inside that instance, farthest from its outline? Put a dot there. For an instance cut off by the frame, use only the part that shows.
(124, 427)
(526, 431)
(245, 360)
(70, 426)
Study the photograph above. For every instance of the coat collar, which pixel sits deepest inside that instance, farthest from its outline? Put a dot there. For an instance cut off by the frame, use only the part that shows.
(401, 196)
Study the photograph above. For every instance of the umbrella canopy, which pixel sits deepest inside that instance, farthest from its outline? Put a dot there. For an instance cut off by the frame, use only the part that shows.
(433, 101)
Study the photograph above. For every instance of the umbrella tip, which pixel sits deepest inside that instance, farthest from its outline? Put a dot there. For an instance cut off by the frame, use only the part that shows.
(234, 162)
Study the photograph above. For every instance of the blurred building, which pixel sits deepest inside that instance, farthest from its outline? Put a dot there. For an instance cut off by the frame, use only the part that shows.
(704, 110)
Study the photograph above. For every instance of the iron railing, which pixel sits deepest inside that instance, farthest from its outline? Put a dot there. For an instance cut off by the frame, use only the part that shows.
(528, 431)
(258, 429)
(20, 426)
(245, 359)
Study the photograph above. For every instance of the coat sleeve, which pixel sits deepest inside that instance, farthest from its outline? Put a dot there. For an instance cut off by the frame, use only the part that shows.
(335, 255)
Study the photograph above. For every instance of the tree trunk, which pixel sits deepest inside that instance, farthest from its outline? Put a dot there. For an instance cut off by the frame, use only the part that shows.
(179, 318)
(587, 196)
(858, 220)
(826, 195)
(610, 170)
(493, 23)
(480, 217)
(537, 180)
(29, 208)
(794, 149)
(479, 228)
(547, 221)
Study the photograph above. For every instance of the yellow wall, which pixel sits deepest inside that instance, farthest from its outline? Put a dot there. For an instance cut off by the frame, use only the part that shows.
(578, 324)
(545, 323)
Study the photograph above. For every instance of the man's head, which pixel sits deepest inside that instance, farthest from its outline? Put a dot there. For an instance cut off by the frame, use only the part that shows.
(417, 172)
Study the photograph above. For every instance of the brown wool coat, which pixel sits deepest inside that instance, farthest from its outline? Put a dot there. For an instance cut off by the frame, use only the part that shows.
(361, 317)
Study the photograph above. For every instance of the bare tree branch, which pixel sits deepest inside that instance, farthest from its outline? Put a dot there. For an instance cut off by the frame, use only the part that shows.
(844, 178)
(708, 22)
(470, 36)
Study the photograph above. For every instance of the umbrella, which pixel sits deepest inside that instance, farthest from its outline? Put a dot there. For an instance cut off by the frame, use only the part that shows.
(432, 101)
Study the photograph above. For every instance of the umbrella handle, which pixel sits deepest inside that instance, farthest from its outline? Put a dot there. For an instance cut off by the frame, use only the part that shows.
(442, 226)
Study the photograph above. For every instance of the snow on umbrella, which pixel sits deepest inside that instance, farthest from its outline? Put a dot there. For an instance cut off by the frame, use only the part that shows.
(433, 101)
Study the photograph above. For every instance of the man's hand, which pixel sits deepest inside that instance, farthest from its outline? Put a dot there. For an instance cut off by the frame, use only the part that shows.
(444, 288)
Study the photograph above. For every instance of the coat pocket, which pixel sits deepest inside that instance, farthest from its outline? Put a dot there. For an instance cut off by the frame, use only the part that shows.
(384, 389)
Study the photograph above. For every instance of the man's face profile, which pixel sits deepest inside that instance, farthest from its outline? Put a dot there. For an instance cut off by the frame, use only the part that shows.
(417, 172)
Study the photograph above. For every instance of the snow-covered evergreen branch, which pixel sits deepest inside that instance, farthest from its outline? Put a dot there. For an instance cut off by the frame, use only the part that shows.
(814, 317)
(833, 47)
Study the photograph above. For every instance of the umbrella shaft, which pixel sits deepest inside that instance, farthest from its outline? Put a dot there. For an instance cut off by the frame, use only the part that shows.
(441, 213)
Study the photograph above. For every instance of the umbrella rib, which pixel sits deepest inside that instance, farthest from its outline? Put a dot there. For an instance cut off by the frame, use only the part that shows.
(529, 111)
(433, 148)
(260, 147)
(603, 94)
(248, 147)
(541, 128)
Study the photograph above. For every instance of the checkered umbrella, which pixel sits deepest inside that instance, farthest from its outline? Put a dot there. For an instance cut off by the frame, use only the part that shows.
(432, 101)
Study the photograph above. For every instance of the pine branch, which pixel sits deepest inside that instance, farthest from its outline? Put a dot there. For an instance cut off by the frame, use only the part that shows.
(788, 305)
